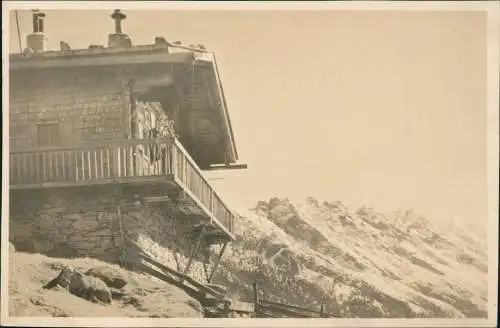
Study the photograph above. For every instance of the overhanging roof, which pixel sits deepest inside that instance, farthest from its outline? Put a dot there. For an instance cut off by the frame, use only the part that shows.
(210, 57)
(98, 57)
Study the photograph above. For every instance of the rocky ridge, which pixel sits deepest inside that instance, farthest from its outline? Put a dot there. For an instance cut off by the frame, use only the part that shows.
(364, 263)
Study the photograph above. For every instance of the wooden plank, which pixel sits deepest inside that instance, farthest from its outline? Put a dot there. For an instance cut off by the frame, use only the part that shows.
(190, 291)
(284, 311)
(90, 59)
(92, 145)
(195, 250)
(227, 167)
(64, 165)
(219, 258)
(82, 167)
(44, 167)
(271, 303)
(96, 166)
(242, 306)
(255, 289)
(295, 309)
(143, 255)
(182, 278)
(89, 165)
(156, 199)
(108, 163)
(123, 180)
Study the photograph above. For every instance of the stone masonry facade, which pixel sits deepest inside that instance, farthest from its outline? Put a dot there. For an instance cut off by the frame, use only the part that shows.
(67, 223)
(87, 103)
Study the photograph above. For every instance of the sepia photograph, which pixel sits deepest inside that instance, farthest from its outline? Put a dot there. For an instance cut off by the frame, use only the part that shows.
(171, 163)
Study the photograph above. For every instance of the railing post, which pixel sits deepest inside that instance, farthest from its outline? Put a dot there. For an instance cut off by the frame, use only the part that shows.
(185, 170)
(116, 160)
(174, 157)
(211, 201)
(74, 163)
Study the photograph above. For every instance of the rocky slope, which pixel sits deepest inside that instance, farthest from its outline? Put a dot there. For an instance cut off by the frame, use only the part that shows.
(366, 264)
(145, 297)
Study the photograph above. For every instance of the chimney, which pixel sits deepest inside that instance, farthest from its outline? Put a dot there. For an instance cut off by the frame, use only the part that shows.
(36, 40)
(118, 39)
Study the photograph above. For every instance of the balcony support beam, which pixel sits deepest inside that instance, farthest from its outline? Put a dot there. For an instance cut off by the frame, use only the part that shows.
(195, 250)
(118, 192)
(216, 265)
(226, 167)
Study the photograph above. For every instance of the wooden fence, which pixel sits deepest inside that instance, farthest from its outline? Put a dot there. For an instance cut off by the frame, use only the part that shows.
(269, 309)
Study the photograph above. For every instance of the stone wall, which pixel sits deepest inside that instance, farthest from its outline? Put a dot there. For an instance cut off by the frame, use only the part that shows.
(87, 103)
(83, 223)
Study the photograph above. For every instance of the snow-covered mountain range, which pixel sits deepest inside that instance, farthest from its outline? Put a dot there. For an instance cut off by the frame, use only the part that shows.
(364, 263)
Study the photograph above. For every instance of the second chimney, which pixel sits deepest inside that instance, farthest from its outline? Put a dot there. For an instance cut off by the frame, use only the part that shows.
(118, 39)
(36, 40)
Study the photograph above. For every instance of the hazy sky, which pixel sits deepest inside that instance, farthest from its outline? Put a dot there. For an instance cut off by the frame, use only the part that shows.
(386, 109)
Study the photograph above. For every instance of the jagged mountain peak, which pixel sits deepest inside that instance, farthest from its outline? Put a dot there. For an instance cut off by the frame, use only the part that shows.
(364, 262)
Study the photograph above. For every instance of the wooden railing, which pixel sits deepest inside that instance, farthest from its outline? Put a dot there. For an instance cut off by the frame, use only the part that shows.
(270, 309)
(187, 173)
(115, 160)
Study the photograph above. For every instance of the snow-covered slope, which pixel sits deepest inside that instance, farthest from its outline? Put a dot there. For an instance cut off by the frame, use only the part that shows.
(365, 263)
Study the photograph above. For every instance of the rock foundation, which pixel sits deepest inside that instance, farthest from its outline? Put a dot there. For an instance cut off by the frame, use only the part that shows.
(70, 224)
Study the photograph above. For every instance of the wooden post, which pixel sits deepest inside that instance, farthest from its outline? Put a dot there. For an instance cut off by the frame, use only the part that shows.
(44, 167)
(174, 159)
(74, 164)
(322, 309)
(123, 255)
(217, 263)
(255, 295)
(195, 251)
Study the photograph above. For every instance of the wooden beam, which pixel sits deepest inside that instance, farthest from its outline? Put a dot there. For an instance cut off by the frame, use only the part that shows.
(171, 272)
(102, 60)
(242, 307)
(195, 251)
(226, 167)
(156, 199)
(190, 291)
(161, 179)
(255, 294)
(286, 312)
(123, 253)
(184, 278)
(219, 258)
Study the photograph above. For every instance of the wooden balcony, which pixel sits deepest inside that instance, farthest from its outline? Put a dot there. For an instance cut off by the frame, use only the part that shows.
(132, 162)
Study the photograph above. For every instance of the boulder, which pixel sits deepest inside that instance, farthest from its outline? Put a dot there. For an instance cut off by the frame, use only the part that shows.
(112, 277)
(87, 287)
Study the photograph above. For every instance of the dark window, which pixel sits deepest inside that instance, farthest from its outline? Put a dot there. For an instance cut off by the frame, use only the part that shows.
(48, 134)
